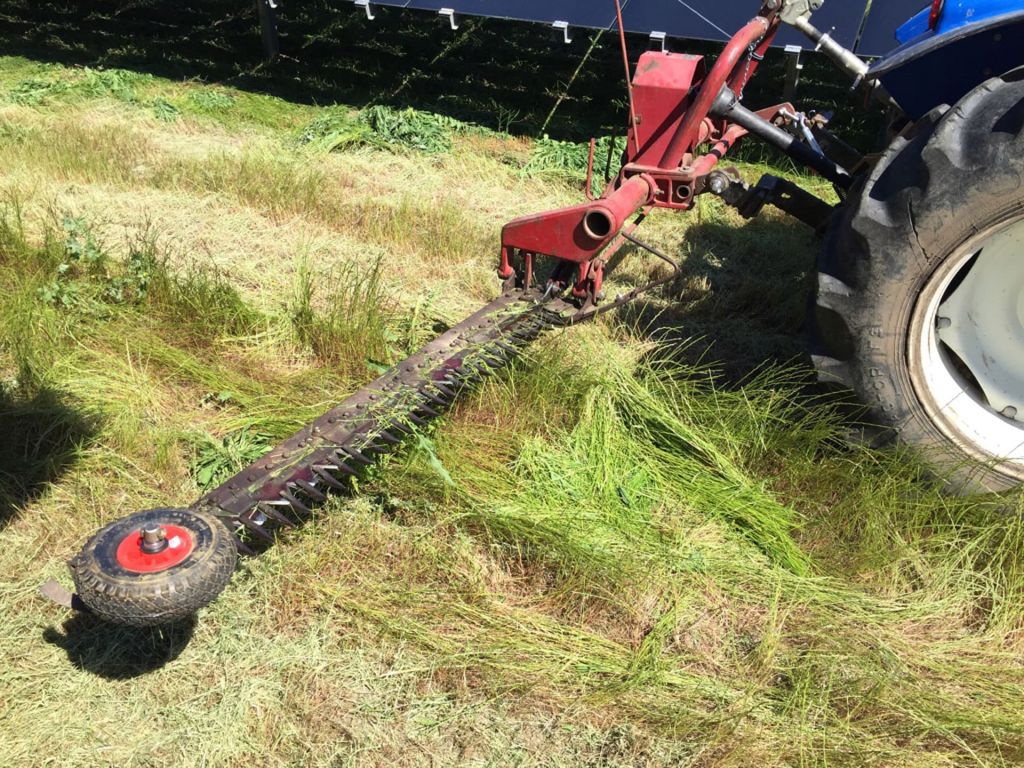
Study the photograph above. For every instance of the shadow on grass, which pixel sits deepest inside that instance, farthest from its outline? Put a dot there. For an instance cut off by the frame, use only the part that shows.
(740, 304)
(330, 53)
(493, 72)
(119, 653)
(40, 439)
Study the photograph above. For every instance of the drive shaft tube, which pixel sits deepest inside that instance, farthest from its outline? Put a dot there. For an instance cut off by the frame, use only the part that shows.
(728, 106)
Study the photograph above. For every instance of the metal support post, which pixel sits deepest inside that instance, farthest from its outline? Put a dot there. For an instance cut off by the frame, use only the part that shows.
(365, 5)
(453, 19)
(267, 10)
(794, 66)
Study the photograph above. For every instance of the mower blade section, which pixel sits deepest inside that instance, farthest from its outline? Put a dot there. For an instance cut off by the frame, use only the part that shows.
(311, 491)
(256, 529)
(373, 420)
(271, 513)
(388, 438)
(243, 546)
(328, 479)
(297, 506)
(358, 455)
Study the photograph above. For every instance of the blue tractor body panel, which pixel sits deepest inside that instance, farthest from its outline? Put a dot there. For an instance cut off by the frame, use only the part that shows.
(973, 41)
(955, 15)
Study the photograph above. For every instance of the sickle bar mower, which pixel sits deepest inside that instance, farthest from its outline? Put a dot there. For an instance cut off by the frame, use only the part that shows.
(161, 565)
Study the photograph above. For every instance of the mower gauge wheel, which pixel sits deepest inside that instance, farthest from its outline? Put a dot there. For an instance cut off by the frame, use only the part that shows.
(154, 567)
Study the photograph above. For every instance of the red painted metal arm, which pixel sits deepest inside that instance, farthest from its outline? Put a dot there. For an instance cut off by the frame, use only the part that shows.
(672, 101)
(753, 34)
(578, 233)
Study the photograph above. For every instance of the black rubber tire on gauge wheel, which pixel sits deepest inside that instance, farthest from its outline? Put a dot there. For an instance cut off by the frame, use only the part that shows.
(920, 297)
(120, 581)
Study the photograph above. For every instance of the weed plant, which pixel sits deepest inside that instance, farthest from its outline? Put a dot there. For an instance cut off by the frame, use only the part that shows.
(381, 127)
(214, 461)
(345, 317)
(567, 161)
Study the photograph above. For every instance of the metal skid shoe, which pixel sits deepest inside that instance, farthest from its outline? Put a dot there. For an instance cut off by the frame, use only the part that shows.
(150, 568)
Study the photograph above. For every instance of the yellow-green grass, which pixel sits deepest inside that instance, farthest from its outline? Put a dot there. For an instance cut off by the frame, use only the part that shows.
(611, 555)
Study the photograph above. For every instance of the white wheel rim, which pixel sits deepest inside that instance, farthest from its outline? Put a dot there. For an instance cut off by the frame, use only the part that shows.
(971, 347)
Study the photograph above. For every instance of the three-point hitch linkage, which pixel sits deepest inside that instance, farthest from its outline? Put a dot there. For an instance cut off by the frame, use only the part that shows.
(163, 564)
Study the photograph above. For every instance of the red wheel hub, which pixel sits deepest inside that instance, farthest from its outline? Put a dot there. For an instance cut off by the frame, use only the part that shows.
(131, 556)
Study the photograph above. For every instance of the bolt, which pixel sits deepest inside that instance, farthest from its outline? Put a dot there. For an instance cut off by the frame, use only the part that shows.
(154, 539)
(943, 322)
(1009, 412)
(718, 183)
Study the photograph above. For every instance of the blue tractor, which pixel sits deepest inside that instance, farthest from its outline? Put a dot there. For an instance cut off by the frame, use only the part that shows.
(920, 298)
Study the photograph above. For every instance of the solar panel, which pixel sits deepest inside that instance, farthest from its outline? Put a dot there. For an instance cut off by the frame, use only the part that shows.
(579, 14)
(695, 19)
(720, 19)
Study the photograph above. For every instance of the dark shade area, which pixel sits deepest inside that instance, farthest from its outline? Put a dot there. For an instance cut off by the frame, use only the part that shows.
(42, 436)
(740, 305)
(119, 653)
(490, 72)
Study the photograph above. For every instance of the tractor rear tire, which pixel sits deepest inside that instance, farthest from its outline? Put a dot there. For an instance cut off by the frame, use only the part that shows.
(120, 582)
(920, 297)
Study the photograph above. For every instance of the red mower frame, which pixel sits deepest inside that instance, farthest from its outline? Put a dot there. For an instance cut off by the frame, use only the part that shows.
(677, 108)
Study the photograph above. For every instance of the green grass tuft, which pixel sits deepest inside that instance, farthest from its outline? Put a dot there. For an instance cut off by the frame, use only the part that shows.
(567, 161)
(338, 129)
(214, 461)
(344, 317)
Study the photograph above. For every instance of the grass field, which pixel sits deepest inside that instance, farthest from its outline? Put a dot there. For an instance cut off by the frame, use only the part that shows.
(649, 544)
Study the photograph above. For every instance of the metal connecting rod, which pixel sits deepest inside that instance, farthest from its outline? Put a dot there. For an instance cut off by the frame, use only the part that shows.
(751, 36)
(728, 106)
(844, 58)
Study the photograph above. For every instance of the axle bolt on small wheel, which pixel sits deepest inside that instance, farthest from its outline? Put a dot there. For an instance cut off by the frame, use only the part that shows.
(154, 567)
(154, 539)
